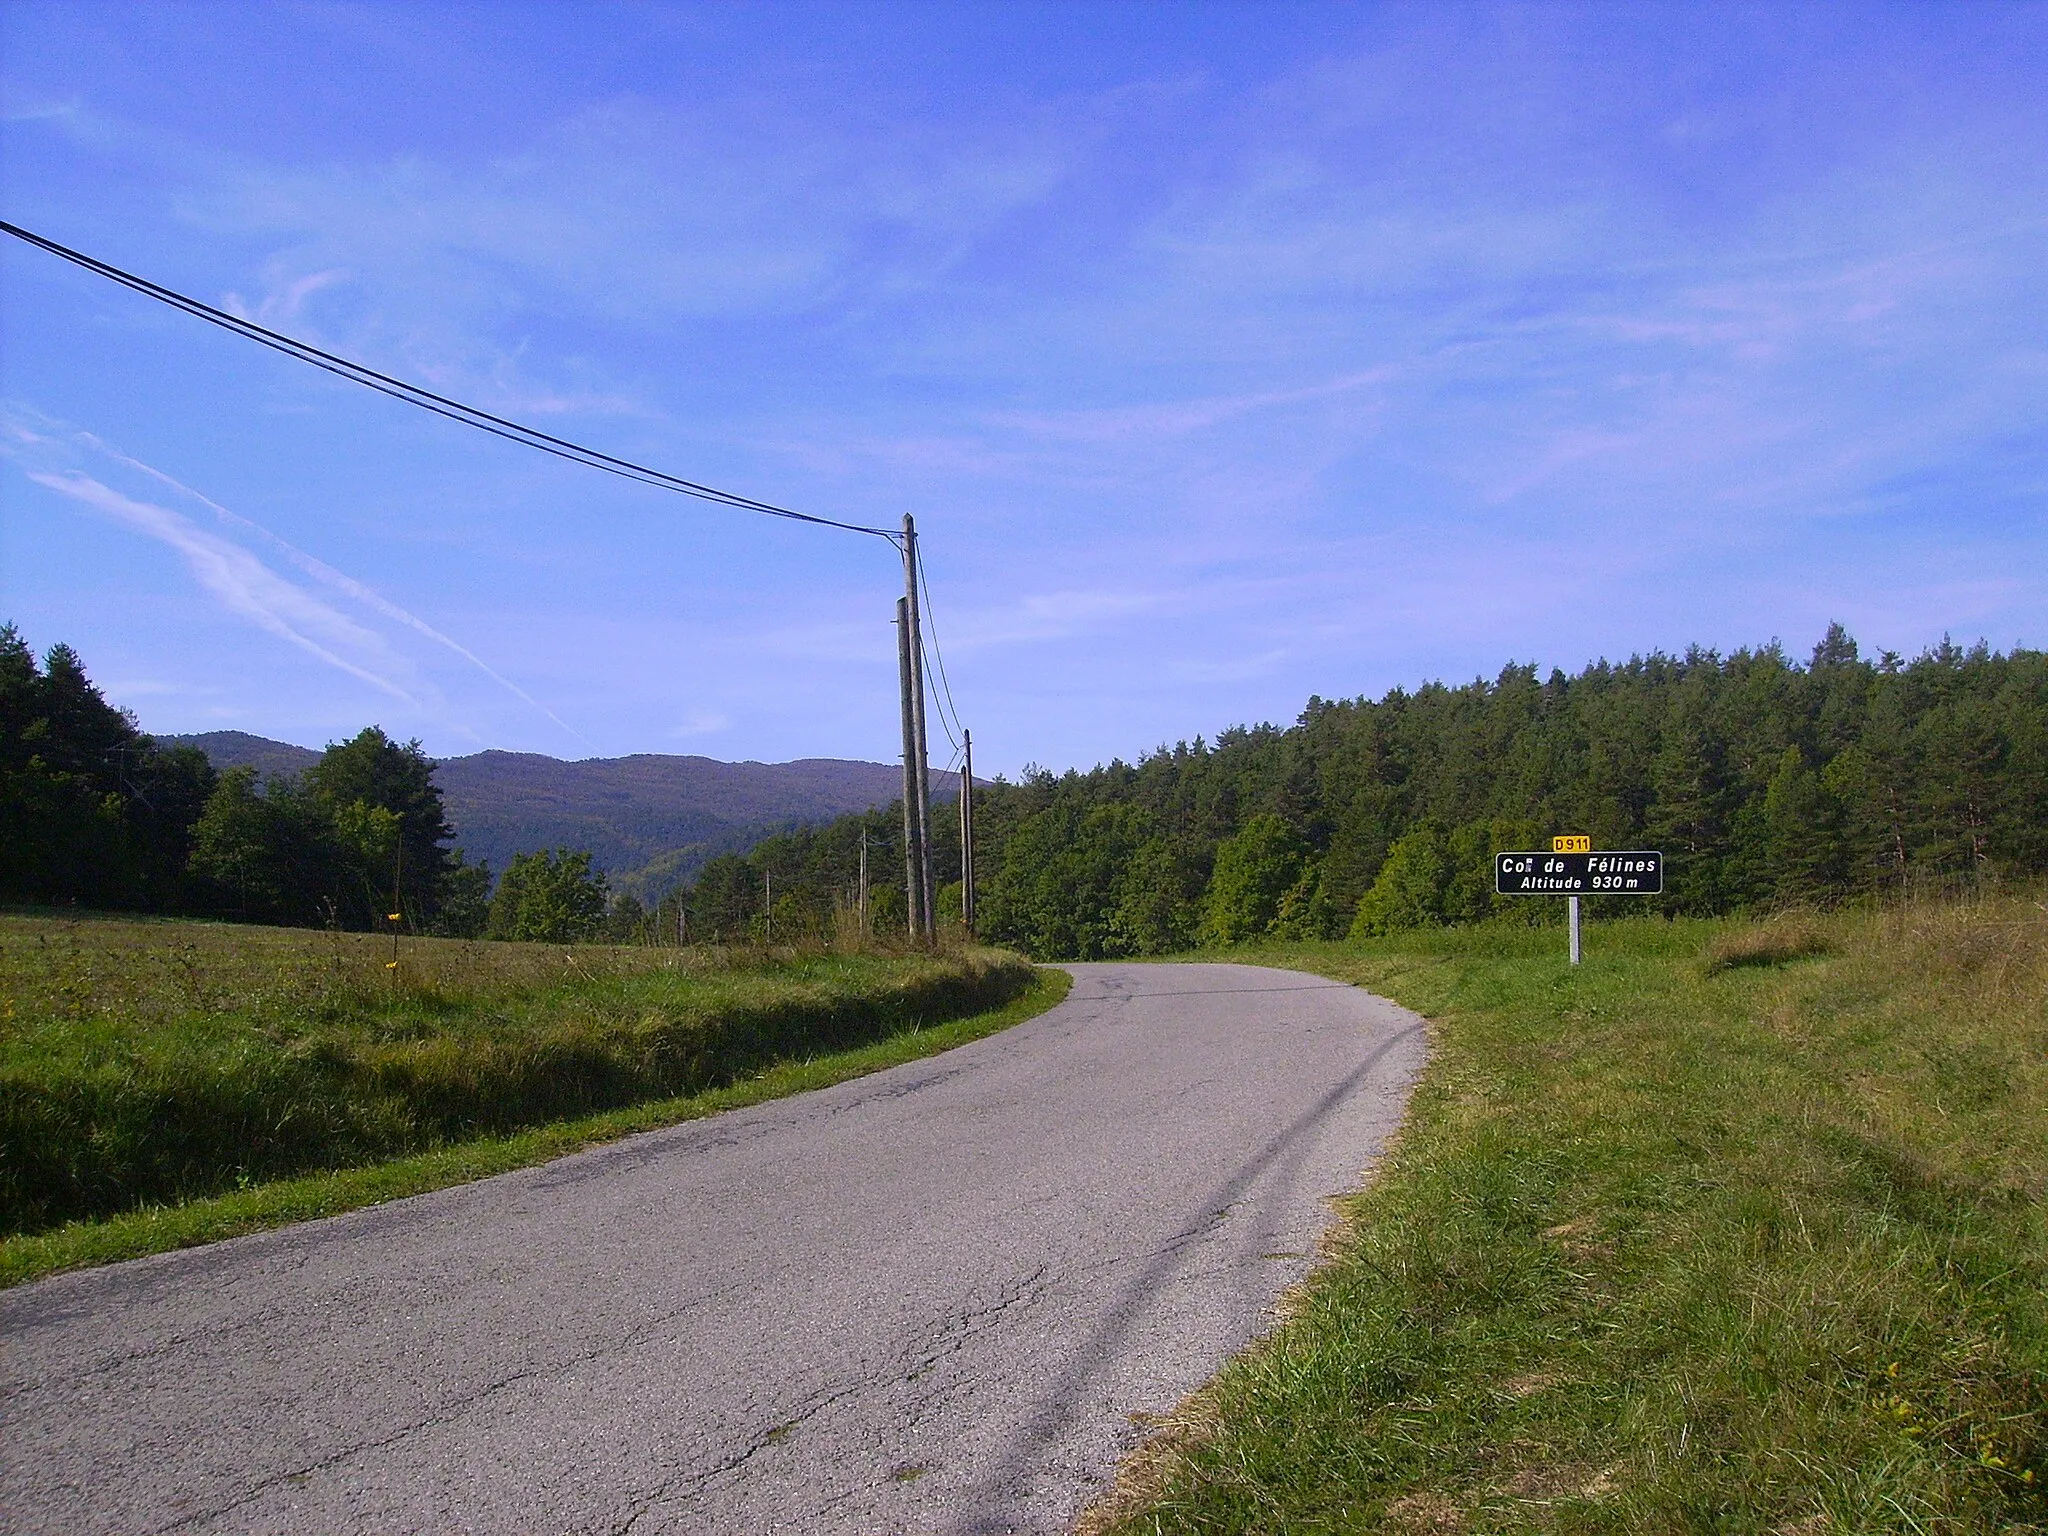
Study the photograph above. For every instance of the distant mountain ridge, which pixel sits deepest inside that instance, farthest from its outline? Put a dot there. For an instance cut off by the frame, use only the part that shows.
(238, 749)
(650, 821)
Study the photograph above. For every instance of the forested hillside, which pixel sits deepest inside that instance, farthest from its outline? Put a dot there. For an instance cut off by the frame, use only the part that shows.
(1763, 780)
(649, 822)
(239, 749)
(94, 813)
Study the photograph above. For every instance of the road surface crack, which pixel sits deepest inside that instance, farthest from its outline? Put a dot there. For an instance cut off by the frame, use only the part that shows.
(961, 1327)
(684, 1485)
(450, 1411)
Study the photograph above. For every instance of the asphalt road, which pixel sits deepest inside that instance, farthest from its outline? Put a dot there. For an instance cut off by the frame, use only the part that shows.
(937, 1299)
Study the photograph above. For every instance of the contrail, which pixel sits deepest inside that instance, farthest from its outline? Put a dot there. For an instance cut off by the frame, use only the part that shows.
(320, 570)
(241, 581)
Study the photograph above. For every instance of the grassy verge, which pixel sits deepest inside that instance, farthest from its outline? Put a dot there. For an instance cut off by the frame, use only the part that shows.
(163, 1228)
(203, 1072)
(1738, 1228)
(160, 1229)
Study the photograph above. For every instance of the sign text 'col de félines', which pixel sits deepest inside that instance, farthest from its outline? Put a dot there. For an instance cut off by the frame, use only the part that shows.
(1639, 872)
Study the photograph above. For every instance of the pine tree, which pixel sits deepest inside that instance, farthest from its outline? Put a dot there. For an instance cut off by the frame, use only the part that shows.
(1688, 818)
(1803, 827)
(91, 810)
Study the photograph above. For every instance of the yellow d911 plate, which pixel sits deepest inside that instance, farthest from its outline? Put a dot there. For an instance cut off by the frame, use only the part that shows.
(1571, 845)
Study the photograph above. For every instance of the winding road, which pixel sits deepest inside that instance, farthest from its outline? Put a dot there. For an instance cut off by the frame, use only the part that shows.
(940, 1299)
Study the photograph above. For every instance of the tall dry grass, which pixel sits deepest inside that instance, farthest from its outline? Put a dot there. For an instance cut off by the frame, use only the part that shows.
(147, 1062)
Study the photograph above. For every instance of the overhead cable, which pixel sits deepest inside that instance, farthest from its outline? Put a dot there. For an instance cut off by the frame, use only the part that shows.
(427, 400)
(945, 687)
(940, 714)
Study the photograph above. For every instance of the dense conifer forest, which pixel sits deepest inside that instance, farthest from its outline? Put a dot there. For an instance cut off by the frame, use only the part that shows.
(1764, 781)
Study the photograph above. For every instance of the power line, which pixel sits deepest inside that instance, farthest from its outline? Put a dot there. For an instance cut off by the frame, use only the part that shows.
(951, 740)
(928, 653)
(426, 399)
(484, 421)
(945, 686)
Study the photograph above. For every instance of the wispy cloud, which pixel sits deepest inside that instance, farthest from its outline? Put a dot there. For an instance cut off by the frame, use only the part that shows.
(328, 576)
(244, 585)
(703, 723)
(284, 298)
(13, 111)
(1411, 341)
(242, 582)
(659, 210)
(1175, 418)
(1055, 615)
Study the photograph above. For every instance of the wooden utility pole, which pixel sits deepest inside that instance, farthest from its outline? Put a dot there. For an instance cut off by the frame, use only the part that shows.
(967, 828)
(861, 900)
(924, 781)
(913, 883)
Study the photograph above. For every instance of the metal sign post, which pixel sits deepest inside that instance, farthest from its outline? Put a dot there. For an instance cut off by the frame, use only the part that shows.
(1572, 869)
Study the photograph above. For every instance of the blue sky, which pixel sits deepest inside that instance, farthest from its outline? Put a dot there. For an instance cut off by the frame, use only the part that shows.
(1225, 354)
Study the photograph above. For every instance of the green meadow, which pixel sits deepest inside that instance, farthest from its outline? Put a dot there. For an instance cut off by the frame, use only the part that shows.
(1739, 1227)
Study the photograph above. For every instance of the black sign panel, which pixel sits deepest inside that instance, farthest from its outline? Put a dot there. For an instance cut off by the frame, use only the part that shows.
(1640, 873)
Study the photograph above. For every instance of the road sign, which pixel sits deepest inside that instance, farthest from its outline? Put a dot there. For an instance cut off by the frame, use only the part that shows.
(1636, 873)
(1571, 844)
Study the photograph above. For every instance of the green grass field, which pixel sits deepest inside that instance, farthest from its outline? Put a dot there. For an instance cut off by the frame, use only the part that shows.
(1737, 1228)
(146, 1066)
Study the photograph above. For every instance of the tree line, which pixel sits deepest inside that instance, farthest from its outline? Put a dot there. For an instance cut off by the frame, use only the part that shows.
(95, 813)
(1764, 780)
